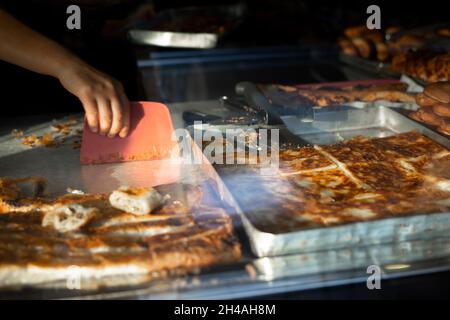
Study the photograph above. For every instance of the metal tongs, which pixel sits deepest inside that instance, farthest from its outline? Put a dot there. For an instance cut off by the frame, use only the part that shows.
(258, 101)
(241, 114)
(251, 116)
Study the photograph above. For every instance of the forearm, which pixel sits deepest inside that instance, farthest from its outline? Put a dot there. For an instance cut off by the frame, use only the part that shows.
(24, 47)
(103, 98)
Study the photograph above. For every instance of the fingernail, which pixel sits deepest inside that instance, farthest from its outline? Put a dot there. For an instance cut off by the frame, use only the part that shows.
(94, 129)
(123, 133)
(102, 133)
(111, 135)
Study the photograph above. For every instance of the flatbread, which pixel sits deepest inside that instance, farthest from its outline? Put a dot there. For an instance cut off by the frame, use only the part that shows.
(185, 234)
(357, 180)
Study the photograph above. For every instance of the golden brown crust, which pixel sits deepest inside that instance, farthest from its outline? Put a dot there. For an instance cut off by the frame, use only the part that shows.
(442, 109)
(355, 31)
(372, 178)
(186, 234)
(434, 110)
(302, 159)
(427, 66)
(327, 95)
(347, 47)
(427, 116)
(439, 91)
(364, 47)
(445, 32)
(382, 51)
(334, 97)
(424, 101)
(416, 116)
(444, 128)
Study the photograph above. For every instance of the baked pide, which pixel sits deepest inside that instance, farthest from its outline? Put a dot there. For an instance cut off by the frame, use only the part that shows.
(360, 179)
(321, 95)
(42, 242)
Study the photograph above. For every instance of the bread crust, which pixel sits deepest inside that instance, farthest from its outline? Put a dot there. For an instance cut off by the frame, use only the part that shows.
(40, 244)
(371, 178)
(442, 109)
(424, 101)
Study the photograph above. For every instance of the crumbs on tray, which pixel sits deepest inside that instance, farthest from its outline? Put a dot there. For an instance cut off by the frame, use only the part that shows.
(55, 137)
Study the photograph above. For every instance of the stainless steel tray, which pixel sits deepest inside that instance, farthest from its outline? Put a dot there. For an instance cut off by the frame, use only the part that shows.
(393, 259)
(333, 125)
(279, 105)
(148, 33)
(279, 113)
(61, 166)
(271, 275)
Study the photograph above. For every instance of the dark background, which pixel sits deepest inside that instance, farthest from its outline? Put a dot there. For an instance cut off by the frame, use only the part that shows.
(269, 23)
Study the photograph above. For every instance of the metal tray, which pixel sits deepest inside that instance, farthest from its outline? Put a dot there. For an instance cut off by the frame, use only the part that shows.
(274, 275)
(150, 33)
(333, 125)
(392, 258)
(61, 166)
(279, 105)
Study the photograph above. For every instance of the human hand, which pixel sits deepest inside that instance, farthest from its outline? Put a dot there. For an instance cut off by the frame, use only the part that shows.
(103, 98)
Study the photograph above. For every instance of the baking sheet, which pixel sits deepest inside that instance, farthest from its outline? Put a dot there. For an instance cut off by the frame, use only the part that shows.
(394, 258)
(335, 124)
(250, 278)
(279, 104)
(61, 166)
(331, 126)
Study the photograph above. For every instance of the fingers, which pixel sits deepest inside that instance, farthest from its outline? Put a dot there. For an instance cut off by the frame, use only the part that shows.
(126, 112)
(109, 118)
(120, 113)
(126, 120)
(90, 106)
(105, 115)
(117, 118)
(104, 100)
